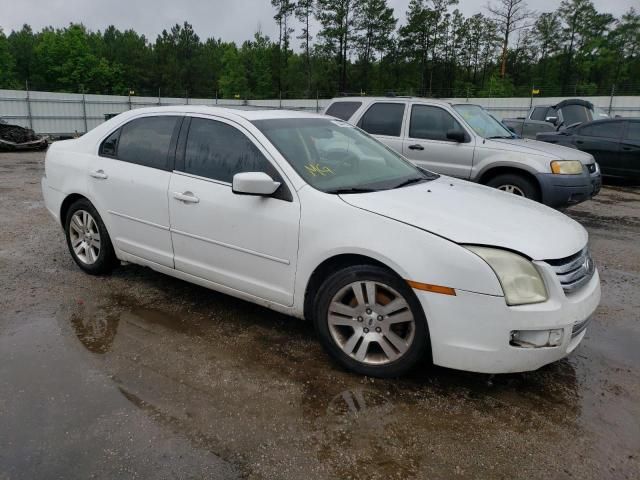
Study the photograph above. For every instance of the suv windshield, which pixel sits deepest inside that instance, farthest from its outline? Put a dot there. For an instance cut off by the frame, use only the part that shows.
(482, 122)
(336, 157)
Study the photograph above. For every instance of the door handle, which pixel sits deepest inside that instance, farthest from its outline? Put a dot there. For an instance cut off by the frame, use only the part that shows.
(417, 146)
(186, 197)
(99, 174)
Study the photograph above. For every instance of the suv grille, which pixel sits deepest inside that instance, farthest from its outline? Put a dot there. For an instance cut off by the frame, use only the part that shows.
(574, 271)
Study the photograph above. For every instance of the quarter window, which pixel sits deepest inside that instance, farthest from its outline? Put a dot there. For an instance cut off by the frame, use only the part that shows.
(431, 123)
(383, 119)
(218, 151)
(343, 110)
(145, 141)
(109, 147)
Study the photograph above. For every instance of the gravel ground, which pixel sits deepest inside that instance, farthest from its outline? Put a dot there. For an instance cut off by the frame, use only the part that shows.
(139, 375)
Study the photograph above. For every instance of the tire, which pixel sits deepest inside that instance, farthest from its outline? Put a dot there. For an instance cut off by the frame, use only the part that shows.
(391, 341)
(93, 251)
(520, 185)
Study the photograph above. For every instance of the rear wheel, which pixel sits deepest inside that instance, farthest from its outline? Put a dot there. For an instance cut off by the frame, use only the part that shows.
(371, 322)
(88, 240)
(516, 184)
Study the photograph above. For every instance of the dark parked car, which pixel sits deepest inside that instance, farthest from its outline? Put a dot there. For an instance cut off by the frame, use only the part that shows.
(615, 144)
(551, 118)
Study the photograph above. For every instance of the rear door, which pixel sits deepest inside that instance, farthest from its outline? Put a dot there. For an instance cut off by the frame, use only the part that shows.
(630, 150)
(384, 121)
(244, 242)
(602, 140)
(426, 142)
(129, 182)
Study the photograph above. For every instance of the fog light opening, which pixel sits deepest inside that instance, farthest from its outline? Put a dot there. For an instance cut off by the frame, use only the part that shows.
(536, 338)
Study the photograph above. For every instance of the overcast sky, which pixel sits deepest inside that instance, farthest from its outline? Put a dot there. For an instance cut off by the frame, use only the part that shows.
(235, 20)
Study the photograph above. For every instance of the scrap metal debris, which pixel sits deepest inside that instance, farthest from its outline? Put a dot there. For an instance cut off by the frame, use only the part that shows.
(14, 137)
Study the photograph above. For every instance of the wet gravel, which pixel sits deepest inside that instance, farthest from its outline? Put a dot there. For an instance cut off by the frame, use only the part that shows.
(138, 375)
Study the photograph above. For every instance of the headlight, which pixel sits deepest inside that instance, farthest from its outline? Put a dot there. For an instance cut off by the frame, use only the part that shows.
(566, 167)
(520, 280)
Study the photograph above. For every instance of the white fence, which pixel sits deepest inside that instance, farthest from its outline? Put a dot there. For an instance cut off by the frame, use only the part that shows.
(68, 113)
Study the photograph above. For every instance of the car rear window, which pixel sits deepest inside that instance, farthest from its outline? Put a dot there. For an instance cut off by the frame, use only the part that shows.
(383, 119)
(343, 110)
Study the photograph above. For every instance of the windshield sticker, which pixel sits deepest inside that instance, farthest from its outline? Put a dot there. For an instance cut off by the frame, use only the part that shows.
(316, 169)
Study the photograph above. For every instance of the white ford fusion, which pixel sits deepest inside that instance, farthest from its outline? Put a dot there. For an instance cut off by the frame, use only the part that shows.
(312, 217)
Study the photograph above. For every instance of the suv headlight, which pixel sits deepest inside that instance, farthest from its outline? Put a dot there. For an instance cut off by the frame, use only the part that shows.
(566, 167)
(520, 280)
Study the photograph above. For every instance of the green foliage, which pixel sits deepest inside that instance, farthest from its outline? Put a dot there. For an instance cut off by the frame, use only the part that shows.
(436, 51)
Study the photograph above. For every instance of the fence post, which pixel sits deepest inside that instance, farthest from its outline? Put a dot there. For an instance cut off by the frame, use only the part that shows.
(26, 83)
(280, 98)
(159, 98)
(531, 100)
(84, 111)
(216, 97)
(129, 99)
(317, 102)
(186, 97)
(613, 89)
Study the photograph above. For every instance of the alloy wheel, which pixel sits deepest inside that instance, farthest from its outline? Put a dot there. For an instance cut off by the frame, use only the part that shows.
(512, 189)
(371, 322)
(85, 237)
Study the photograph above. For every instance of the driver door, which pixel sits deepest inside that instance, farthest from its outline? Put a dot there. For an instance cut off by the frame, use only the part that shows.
(427, 146)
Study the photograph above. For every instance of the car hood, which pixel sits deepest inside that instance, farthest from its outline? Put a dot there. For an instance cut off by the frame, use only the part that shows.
(468, 213)
(534, 147)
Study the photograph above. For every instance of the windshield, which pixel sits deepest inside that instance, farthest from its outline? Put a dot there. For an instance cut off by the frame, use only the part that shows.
(336, 157)
(482, 122)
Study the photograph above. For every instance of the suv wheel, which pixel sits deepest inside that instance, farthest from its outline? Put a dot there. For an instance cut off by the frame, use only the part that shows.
(371, 322)
(88, 240)
(516, 184)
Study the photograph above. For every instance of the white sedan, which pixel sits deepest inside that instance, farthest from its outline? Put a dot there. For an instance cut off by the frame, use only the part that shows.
(312, 217)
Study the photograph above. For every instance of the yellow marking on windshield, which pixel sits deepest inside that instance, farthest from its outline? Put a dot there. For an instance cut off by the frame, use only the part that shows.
(317, 169)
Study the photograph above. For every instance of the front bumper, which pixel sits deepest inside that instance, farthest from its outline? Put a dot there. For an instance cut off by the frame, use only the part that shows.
(472, 331)
(564, 190)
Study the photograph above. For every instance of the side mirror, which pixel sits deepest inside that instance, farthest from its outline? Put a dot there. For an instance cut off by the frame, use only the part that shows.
(456, 136)
(254, 183)
(553, 120)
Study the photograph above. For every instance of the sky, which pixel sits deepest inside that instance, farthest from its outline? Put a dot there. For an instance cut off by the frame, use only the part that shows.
(235, 20)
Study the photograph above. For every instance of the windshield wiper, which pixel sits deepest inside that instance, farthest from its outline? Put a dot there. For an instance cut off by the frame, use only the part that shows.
(339, 191)
(500, 136)
(412, 181)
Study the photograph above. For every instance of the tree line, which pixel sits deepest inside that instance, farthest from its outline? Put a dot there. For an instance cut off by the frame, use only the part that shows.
(361, 47)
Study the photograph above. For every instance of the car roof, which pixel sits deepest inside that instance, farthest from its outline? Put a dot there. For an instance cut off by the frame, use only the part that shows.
(390, 99)
(248, 113)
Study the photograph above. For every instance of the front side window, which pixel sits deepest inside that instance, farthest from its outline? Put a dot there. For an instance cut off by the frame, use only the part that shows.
(606, 129)
(335, 157)
(145, 141)
(383, 119)
(343, 110)
(218, 151)
(633, 131)
(482, 122)
(539, 113)
(431, 123)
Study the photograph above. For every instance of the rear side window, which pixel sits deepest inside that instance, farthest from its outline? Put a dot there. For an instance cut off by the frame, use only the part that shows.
(606, 129)
(218, 151)
(633, 131)
(431, 123)
(146, 141)
(343, 110)
(383, 119)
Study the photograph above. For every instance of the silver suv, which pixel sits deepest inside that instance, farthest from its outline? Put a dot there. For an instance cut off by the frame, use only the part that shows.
(465, 141)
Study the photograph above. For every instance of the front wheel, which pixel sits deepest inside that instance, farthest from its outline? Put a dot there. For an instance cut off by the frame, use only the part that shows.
(371, 322)
(88, 240)
(516, 184)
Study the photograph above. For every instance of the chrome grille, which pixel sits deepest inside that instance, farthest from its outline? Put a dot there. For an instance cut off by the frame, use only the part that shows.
(574, 271)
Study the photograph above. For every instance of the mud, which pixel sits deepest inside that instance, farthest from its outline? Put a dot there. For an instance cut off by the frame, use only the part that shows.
(139, 375)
